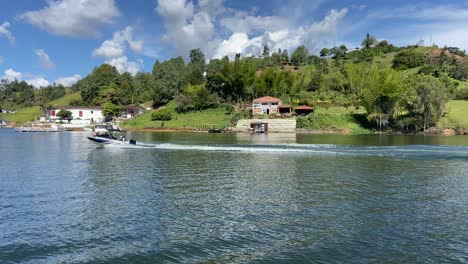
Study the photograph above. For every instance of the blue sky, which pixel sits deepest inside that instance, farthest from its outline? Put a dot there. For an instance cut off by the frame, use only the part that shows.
(63, 40)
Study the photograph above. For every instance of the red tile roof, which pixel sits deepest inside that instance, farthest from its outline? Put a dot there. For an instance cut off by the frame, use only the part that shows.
(267, 99)
(304, 107)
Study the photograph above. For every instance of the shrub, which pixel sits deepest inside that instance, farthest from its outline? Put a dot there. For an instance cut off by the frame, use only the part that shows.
(161, 115)
(407, 59)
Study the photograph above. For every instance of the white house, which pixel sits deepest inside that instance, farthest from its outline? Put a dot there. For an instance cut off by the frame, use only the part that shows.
(91, 114)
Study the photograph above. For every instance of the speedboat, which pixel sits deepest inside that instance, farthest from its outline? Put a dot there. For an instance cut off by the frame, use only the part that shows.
(102, 137)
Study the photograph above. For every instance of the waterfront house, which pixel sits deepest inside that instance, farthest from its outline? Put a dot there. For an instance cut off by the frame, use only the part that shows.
(89, 114)
(269, 105)
(130, 111)
(266, 105)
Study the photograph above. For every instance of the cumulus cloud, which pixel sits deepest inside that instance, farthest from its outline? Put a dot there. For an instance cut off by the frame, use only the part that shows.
(68, 81)
(186, 29)
(242, 22)
(314, 36)
(37, 82)
(189, 26)
(113, 50)
(12, 75)
(73, 18)
(5, 32)
(44, 59)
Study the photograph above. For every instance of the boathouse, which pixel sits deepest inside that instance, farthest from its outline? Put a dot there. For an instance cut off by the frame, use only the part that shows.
(303, 110)
(130, 111)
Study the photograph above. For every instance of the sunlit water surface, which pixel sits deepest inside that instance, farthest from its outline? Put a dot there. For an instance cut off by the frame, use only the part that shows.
(233, 198)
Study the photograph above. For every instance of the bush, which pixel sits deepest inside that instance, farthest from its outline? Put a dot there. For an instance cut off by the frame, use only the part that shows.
(408, 59)
(195, 97)
(462, 94)
(161, 115)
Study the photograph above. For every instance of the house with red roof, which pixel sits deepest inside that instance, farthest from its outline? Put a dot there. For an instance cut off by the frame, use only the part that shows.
(266, 105)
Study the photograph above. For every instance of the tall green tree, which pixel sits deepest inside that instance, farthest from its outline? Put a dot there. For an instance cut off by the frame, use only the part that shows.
(369, 41)
(324, 52)
(285, 56)
(196, 67)
(299, 56)
(170, 78)
(90, 86)
(266, 51)
(428, 98)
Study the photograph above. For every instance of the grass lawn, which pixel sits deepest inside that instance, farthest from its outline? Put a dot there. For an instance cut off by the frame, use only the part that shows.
(66, 99)
(216, 117)
(29, 114)
(23, 115)
(456, 115)
(339, 118)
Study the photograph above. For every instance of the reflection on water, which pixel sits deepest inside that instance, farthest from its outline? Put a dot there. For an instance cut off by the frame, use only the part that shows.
(232, 198)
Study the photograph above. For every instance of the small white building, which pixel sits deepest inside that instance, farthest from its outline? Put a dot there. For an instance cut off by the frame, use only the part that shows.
(91, 114)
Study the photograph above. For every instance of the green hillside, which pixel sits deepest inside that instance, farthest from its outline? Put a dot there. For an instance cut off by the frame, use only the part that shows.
(216, 117)
(456, 115)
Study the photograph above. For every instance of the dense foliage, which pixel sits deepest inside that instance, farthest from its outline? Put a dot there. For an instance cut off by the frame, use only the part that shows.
(400, 87)
(162, 114)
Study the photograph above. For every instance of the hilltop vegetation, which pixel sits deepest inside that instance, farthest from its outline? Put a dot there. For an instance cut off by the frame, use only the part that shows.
(398, 88)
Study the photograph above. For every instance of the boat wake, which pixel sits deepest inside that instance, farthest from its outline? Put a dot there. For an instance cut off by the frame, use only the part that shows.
(407, 151)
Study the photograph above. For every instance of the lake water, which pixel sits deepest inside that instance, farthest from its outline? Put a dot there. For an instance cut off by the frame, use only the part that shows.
(233, 198)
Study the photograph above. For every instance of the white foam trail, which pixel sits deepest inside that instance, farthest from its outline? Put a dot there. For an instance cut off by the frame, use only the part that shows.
(408, 151)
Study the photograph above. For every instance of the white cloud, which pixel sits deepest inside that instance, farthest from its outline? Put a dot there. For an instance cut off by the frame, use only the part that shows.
(241, 22)
(5, 32)
(123, 65)
(185, 29)
(113, 50)
(189, 27)
(12, 75)
(37, 82)
(314, 36)
(72, 17)
(446, 25)
(44, 59)
(68, 81)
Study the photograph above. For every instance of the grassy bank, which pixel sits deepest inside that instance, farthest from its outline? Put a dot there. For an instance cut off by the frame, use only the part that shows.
(23, 115)
(207, 118)
(336, 119)
(456, 115)
(30, 114)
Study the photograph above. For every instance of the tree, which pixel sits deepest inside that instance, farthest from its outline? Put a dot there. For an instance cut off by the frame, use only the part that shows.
(299, 56)
(90, 86)
(196, 67)
(197, 56)
(195, 97)
(145, 86)
(170, 80)
(285, 56)
(379, 90)
(338, 52)
(409, 58)
(64, 115)
(429, 98)
(369, 41)
(110, 110)
(266, 51)
(163, 114)
(324, 52)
